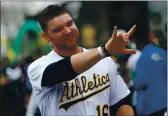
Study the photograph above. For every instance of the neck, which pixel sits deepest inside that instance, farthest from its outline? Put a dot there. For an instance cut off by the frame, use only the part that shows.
(67, 51)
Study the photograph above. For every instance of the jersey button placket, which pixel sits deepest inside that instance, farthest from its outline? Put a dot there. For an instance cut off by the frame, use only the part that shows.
(81, 88)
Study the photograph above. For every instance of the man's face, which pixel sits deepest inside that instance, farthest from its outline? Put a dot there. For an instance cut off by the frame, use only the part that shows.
(62, 32)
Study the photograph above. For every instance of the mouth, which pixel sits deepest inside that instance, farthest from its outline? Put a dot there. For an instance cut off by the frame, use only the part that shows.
(69, 37)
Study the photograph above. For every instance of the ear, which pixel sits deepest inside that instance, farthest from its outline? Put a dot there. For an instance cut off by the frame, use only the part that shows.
(45, 36)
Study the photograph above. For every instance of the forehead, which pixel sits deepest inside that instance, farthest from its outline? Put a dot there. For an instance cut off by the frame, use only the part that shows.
(59, 20)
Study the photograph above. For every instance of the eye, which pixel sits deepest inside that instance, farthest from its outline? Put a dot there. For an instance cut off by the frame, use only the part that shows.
(70, 23)
(58, 29)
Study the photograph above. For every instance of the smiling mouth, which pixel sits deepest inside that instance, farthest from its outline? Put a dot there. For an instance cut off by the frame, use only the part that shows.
(69, 37)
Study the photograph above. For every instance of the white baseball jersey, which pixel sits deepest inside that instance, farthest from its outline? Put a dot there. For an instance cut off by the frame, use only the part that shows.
(90, 93)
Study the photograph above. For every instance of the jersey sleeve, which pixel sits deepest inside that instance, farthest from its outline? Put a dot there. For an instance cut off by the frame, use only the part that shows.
(35, 73)
(118, 88)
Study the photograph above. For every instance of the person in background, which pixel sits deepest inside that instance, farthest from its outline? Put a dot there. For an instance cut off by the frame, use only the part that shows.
(151, 79)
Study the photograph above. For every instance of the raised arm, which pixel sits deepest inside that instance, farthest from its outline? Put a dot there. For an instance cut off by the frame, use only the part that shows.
(68, 69)
(116, 45)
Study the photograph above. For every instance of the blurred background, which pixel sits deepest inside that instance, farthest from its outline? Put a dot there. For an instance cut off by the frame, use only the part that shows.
(22, 43)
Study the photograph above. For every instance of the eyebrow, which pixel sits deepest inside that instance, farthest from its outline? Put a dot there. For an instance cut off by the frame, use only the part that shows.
(71, 20)
(55, 28)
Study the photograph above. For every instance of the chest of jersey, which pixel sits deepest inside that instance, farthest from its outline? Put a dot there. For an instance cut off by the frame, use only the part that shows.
(90, 86)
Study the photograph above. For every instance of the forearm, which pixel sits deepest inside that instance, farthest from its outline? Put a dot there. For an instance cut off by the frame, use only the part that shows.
(68, 69)
(83, 61)
(116, 45)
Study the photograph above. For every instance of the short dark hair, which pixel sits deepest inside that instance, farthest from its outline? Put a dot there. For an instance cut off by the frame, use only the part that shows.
(49, 13)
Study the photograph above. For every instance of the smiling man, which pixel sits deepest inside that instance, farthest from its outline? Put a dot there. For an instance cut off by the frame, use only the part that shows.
(72, 80)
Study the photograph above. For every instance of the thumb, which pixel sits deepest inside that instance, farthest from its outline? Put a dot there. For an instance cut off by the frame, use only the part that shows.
(129, 51)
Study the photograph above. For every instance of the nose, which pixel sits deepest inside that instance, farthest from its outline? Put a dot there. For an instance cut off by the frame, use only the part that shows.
(66, 30)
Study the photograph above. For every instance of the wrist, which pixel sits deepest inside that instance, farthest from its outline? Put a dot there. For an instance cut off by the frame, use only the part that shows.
(100, 51)
(103, 51)
(106, 53)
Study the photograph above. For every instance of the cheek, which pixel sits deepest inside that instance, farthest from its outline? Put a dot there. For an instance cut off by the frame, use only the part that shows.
(76, 31)
(56, 39)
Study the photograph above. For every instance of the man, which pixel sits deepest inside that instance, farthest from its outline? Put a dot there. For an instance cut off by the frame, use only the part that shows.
(151, 79)
(71, 80)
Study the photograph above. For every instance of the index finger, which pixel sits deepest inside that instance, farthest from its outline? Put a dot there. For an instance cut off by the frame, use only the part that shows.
(131, 31)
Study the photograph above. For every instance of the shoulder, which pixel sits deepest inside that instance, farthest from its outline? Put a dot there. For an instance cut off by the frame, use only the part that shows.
(38, 62)
(36, 67)
(153, 52)
(43, 62)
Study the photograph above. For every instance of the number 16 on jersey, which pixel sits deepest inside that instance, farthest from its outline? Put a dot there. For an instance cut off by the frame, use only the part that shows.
(102, 110)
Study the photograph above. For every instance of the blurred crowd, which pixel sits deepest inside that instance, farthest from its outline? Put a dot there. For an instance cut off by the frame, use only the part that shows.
(95, 25)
